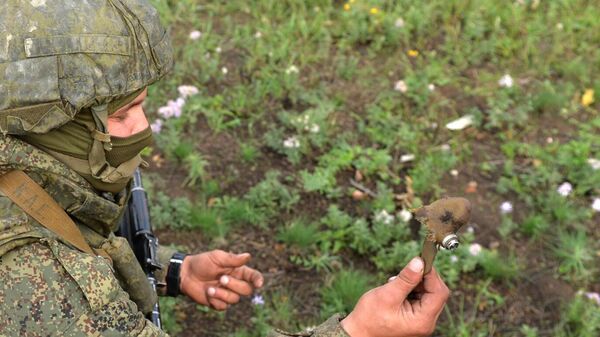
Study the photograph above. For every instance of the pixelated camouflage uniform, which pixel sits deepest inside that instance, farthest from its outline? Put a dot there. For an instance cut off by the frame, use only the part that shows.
(47, 286)
(58, 58)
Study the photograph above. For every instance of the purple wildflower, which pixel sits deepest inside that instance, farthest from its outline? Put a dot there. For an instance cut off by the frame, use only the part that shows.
(258, 300)
(156, 126)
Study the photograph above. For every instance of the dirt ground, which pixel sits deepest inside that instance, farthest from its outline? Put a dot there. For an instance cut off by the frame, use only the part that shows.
(533, 299)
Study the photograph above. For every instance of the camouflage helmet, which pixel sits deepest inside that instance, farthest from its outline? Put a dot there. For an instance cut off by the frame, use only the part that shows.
(58, 57)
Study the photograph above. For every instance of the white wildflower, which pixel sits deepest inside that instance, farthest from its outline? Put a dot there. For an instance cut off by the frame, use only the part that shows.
(560, 26)
(195, 35)
(384, 217)
(291, 143)
(405, 158)
(315, 128)
(596, 204)
(399, 23)
(506, 81)
(258, 35)
(401, 86)
(187, 90)
(475, 249)
(405, 215)
(218, 50)
(292, 70)
(470, 229)
(156, 126)
(431, 87)
(594, 163)
(224, 70)
(593, 296)
(445, 147)
(506, 207)
(166, 111)
(461, 123)
(453, 258)
(172, 109)
(454, 173)
(565, 189)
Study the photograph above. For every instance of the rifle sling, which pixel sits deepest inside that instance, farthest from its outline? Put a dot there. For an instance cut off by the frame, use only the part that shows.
(36, 202)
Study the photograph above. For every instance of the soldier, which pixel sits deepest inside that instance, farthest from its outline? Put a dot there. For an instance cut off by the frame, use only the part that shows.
(74, 76)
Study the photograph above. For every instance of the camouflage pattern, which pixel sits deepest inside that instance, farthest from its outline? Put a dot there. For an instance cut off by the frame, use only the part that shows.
(49, 289)
(330, 328)
(49, 286)
(58, 57)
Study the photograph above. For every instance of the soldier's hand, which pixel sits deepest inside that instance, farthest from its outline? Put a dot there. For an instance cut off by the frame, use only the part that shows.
(388, 311)
(218, 278)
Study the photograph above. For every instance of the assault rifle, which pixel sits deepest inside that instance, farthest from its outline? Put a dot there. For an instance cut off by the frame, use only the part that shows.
(136, 227)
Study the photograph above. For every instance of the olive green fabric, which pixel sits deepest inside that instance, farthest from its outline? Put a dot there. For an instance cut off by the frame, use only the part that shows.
(125, 148)
(72, 144)
(75, 138)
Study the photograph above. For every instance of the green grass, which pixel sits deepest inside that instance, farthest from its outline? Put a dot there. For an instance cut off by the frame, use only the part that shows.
(307, 93)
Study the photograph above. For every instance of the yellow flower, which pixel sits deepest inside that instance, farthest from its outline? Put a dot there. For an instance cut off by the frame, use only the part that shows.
(374, 10)
(588, 97)
(413, 53)
(346, 7)
(352, 1)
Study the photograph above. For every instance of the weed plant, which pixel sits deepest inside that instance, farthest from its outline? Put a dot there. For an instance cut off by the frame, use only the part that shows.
(316, 93)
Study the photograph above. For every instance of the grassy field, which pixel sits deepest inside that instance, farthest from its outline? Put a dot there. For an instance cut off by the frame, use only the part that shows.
(304, 132)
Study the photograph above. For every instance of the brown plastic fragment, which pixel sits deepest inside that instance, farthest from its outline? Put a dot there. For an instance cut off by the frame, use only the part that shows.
(442, 218)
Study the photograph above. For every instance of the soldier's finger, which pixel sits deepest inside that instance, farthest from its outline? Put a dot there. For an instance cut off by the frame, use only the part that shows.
(230, 260)
(238, 286)
(217, 304)
(249, 275)
(399, 288)
(223, 294)
(435, 293)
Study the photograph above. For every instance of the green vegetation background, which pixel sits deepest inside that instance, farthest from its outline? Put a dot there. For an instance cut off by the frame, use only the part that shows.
(296, 97)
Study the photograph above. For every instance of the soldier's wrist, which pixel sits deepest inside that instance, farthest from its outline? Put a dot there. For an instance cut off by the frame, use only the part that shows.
(173, 278)
(352, 327)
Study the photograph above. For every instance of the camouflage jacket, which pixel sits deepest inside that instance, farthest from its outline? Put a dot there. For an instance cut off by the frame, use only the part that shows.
(330, 328)
(49, 287)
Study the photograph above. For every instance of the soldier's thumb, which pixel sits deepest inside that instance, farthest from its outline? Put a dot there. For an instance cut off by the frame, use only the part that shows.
(408, 279)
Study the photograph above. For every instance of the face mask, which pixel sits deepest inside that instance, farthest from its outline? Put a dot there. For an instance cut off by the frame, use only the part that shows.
(125, 154)
(127, 148)
(113, 161)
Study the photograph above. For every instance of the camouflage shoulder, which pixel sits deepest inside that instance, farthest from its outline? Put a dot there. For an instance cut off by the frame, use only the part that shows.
(329, 328)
